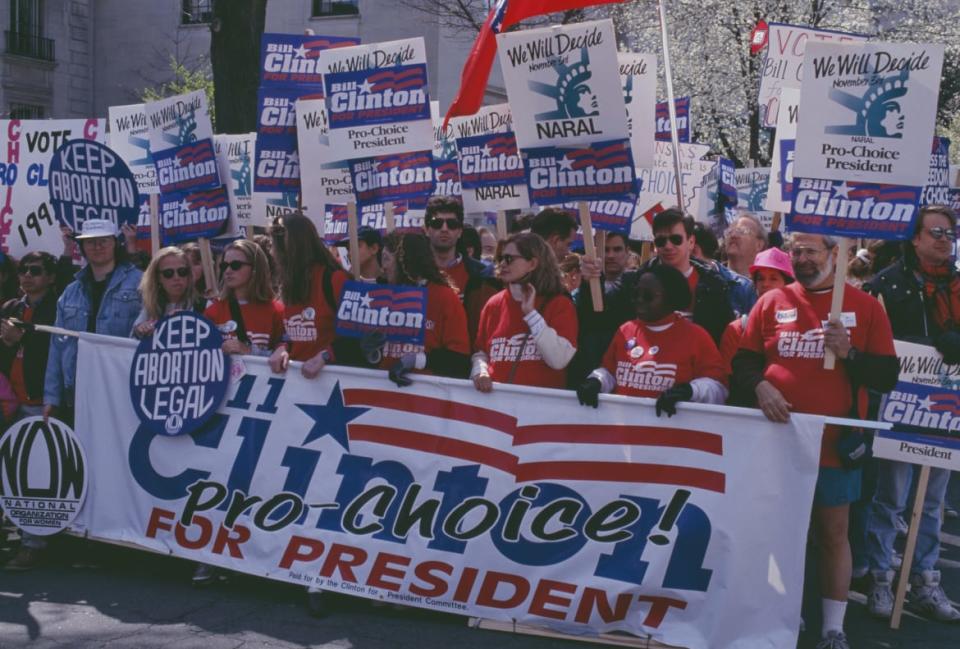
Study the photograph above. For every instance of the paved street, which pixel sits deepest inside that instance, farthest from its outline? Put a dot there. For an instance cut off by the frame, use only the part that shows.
(137, 600)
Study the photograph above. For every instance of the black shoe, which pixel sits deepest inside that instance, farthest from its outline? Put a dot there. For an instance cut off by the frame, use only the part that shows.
(316, 603)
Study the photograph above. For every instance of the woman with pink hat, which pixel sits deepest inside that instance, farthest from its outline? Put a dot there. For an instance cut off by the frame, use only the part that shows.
(771, 269)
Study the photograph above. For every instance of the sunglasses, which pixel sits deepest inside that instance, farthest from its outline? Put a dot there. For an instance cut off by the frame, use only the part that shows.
(168, 273)
(508, 259)
(233, 265)
(939, 233)
(662, 240)
(452, 224)
(35, 271)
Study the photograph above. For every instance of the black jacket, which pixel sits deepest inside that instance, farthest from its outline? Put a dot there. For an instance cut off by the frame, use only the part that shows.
(36, 345)
(907, 307)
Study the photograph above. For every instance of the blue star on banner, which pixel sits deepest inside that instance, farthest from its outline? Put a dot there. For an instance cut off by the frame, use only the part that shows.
(331, 419)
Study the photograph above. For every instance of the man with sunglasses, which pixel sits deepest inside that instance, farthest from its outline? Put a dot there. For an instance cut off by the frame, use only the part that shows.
(921, 292)
(443, 224)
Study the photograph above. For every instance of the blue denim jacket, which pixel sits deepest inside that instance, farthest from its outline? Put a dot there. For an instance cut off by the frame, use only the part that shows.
(742, 293)
(120, 307)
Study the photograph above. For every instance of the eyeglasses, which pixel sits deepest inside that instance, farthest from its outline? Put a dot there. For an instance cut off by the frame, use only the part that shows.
(183, 271)
(746, 232)
(35, 271)
(806, 252)
(436, 224)
(661, 241)
(233, 265)
(939, 233)
(508, 259)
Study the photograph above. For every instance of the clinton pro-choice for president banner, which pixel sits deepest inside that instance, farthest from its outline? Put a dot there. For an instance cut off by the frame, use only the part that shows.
(443, 498)
(603, 170)
(868, 112)
(329, 178)
(563, 84)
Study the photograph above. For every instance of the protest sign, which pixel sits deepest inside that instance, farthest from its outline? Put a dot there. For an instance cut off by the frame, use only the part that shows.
(490, 160)
(660, 182)
(638, 78)
(269, 205)
(43, 475)
(327, 180)
(610, 215)
(444, 142)
(936, 191)
(27, 220)
(178, 120)
(868, 112)
(293, 59)
(130, 139)
(187, 168)
(495, 118)
(662, 527)
(727, 182)
(924, 409)
(850, 209)
(446, 178)
(89, 181)
(377, 99)
(276, 110)
(780, 187)
(278, 165)
(681, 106)
(179, 374)
(603, 170)
(783, 64)
(235, 156)
(752, 184)
(563, 84)
(399, 312)
(399, 177)
(195, 215)
(406, 219)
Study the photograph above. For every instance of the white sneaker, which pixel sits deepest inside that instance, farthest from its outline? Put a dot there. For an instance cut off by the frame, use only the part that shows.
(901, 526)
(880, 597)
(927, 598)
(834, 640)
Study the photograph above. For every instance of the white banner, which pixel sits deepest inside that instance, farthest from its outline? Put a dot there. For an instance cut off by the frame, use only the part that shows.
(324, 180)
(440, 497)
(869, 112)
(235, 156)
(130, 138)
(178, 120)
(563, 84)
(27, 219)
(752, 184)
(786, 130)
(660, 182)
(783, 64)
(638, 77)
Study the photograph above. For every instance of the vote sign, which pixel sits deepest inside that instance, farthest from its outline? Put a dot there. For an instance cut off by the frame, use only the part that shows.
(90, 181)
(179, 375)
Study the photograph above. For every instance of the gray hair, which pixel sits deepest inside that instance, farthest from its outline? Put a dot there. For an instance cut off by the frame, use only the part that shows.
(752, 217)
(829, 242)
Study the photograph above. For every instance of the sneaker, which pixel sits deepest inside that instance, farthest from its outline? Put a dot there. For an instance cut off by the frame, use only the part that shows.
(834, 640)
(25, 559)
(896, 560)
(901, 526)
(204, 575)
(950, 512)
(859, 572)
(880, 597)
(316, 604)
(927, 598)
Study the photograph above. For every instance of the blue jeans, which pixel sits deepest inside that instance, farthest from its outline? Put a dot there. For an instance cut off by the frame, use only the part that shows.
(893, 488)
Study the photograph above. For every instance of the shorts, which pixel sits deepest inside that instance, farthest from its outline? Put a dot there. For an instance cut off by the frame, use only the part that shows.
(837, 486)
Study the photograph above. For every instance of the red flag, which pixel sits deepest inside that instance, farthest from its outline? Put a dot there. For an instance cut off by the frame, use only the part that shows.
(476, 70)
(758, 37)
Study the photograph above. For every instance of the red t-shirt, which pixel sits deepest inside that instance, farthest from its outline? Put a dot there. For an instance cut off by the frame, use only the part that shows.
(310, 328)
(446, 327)
(458, 275)
(692, 280)
(786, 326)
(730, 342)
(17, 378)
(645, 362)
(262, 320)
(502, 329)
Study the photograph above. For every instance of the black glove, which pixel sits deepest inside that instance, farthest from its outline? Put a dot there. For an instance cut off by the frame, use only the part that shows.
(948, 344)
(372, 346)
(589, 392)
(400, 368)
(668, 399)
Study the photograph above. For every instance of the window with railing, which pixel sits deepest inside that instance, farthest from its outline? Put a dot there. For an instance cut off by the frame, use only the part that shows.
(196, 12)
(26, 111)
(25, 36)
(335, 8)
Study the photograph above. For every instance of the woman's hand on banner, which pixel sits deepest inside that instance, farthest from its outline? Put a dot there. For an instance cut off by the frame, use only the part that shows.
(144, 329)
(279, 360)
(47, 412)
(311, 369)
(234, 346)
(772, 403)
(483, 383)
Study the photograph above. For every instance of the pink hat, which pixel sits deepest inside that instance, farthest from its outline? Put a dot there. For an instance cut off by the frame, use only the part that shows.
(773, 258)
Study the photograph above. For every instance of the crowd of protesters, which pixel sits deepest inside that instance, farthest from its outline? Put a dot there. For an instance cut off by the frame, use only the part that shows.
(679, 325)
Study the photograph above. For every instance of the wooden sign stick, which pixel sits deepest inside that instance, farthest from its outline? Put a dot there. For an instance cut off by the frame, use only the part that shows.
(586, 224)
(775, 226)
(354, 242)
(388, 216)
(206, 258)
(839, 284)
(502, 225)
(154, 224)
(913, 529)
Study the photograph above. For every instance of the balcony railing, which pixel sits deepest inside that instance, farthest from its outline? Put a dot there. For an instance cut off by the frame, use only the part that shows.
(36, 47)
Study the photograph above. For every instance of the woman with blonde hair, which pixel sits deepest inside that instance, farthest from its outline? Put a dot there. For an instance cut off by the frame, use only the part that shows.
(247, 314)
(528, 331)
(166, 288)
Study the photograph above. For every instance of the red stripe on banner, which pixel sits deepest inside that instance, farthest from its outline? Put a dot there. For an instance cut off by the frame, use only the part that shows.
(435, 444)
(622, 472)
(431, 407)
(694, 440)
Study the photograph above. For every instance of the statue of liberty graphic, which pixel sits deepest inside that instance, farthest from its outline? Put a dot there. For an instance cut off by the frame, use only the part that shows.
(572, 94)
(878, 111)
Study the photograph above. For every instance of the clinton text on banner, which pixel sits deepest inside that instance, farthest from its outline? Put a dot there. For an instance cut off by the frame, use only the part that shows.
(440, 497)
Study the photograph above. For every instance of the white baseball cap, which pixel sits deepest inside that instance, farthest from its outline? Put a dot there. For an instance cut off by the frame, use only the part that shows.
(95, 228)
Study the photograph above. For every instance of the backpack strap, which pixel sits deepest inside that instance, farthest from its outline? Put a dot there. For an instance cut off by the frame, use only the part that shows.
(328, 290)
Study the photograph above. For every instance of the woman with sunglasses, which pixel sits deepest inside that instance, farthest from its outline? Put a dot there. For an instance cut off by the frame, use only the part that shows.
(407, 261)
(311, 284)
(247, 315)
(527, 332)
(660, 354)
(165, 288)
